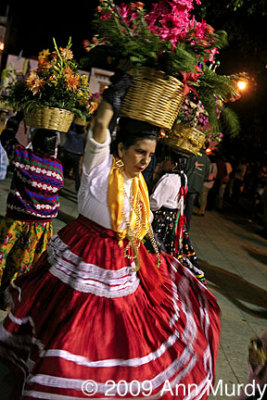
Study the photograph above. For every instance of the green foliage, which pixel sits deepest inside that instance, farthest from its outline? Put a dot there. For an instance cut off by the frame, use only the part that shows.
(212, 87)
(229, 122)
(250, 6)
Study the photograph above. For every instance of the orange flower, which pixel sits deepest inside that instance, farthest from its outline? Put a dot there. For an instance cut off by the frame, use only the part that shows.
(34, 82)
(209, 29)
(66, 53)
(44, 66)
(72, 82)
(140, 5)
(136, 6)
(68, 72)
(93, 107)
(133, 6)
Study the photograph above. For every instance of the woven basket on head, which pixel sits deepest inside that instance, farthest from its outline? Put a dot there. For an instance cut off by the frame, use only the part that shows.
(56, 119)
(79, 121)
(4, 106)
(153, 97)
(185, 138)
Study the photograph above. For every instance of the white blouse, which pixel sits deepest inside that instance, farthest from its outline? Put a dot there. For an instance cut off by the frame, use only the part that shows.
(93, 191)
(166, 192)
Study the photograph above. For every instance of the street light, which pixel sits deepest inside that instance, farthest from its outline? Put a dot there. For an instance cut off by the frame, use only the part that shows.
(242, 85)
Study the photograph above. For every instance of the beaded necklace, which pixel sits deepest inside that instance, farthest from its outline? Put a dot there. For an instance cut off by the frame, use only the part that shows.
(134, 235)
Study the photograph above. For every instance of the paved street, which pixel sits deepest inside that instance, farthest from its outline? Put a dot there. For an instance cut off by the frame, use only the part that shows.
(234, 257)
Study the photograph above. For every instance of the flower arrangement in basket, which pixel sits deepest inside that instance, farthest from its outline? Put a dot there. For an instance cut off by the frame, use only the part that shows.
(53, 94)
(164, 47)
(8, 78)
(197, 124)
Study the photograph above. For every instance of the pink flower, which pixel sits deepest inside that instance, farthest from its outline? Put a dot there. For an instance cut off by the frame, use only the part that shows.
(1, 256)
(200, 29)
(124, 11)
(212, 53)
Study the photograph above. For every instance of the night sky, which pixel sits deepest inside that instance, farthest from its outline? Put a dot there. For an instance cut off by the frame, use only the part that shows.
(34, 25)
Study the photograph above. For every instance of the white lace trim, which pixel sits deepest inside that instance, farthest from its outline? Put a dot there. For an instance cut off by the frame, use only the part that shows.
(89, 278)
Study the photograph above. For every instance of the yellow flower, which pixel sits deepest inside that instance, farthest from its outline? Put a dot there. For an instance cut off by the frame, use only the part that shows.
(84, 80)
(66, 53)
(34, 82)
(44, 54)
(53, 79)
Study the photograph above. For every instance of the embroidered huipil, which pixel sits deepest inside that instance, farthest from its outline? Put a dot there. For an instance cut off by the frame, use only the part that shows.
(35, 185)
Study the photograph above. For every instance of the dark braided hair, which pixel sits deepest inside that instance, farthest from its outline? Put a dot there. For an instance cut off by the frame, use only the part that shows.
(44, 141)
(130, 131)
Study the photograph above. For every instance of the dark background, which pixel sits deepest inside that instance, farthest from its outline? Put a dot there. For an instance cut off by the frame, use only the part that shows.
(33, 25)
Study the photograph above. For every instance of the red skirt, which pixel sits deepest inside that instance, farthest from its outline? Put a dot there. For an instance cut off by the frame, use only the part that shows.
(85, 325)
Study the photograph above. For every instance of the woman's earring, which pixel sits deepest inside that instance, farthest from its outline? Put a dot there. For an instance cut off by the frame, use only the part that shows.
(119, 163)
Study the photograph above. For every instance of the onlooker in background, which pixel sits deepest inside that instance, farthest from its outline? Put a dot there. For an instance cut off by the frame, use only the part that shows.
(207, 186)
(239, 176)
(223, 177)
(31, 204)
(256, 387)
(259, 196)
(73, 150)
(264, 201)
(197, 171)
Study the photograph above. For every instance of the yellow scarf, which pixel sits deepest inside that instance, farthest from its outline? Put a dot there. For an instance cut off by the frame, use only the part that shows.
(115, 203)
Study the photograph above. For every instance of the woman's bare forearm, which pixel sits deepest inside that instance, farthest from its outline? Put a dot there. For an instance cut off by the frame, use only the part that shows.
(101, 123)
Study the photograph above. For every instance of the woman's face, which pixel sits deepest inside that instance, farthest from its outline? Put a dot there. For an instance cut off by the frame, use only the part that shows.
(137, 157)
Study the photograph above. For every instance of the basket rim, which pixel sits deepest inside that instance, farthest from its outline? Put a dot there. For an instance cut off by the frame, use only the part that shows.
(39, 108)
(156, 72)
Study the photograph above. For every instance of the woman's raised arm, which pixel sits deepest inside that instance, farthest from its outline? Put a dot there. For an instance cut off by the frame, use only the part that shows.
(101, 124)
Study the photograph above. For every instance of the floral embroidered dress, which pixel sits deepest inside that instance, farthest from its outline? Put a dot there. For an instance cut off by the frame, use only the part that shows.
(85, 323)
(32, 202)
(167, 204)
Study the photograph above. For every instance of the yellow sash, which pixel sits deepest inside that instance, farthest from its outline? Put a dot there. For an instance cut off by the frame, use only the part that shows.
(140, 201)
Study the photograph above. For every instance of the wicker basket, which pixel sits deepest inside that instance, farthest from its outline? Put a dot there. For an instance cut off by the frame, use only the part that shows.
(79, 121)
(56, 119)
(4, 106)
(186, 138)
(153, 97)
